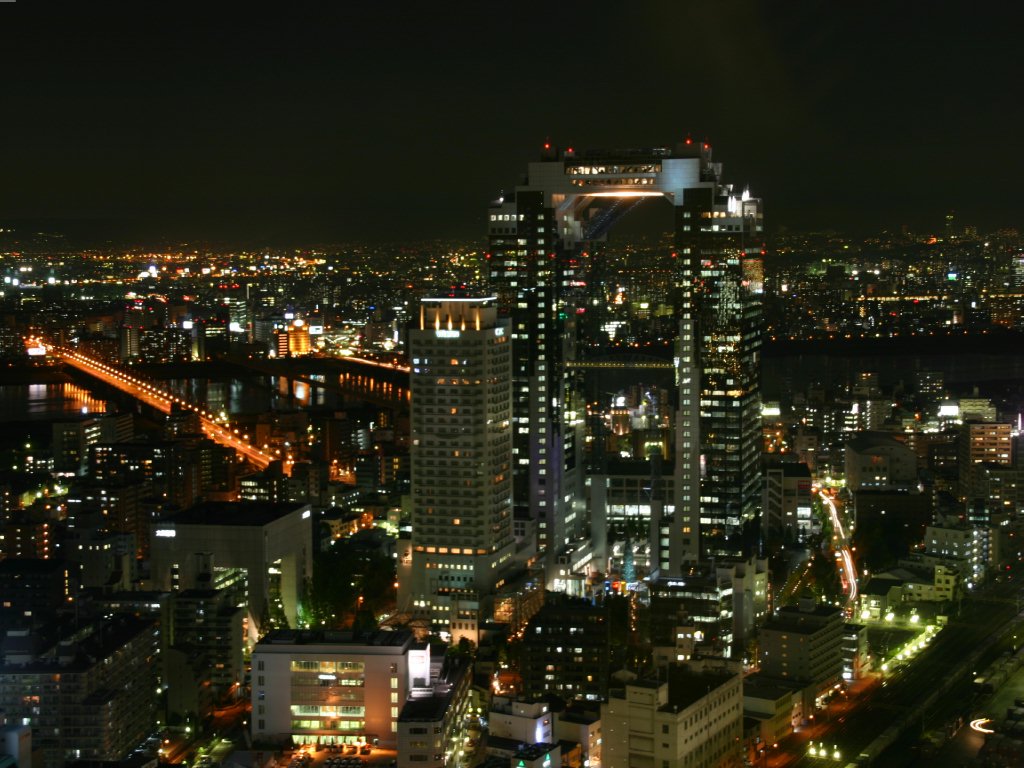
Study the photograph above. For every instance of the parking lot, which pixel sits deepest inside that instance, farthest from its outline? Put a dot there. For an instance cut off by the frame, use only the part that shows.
(339, 756)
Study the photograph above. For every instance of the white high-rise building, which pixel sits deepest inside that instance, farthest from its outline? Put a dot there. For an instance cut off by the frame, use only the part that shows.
(461, 387)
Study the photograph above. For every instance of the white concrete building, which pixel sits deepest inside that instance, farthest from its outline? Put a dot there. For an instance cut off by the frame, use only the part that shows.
(583, 728)
(695, 720)
(432, 725)
(526, 721)
(318, 686)
(964, 547)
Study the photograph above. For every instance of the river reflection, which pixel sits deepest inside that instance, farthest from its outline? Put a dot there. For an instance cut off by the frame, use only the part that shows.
(252, 395)
(19, 402)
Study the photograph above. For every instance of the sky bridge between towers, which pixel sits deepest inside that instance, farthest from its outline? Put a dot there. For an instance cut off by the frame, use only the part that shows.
(589, 191)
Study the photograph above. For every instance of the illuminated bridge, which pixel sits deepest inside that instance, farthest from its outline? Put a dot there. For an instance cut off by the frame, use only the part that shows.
(217, 429)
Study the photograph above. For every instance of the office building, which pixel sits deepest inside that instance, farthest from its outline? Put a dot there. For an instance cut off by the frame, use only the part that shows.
(202, 640)
(31, 589)
(693, 615)
(786, 510)
(266, 547)
(981, 442)
(323, 687)
(960, 546)
(103, 557)
(566, 649)
(116, 506)
(709, 611)
(583, 727)
(462, 540)
(695, 719)
(537, 238)
(529, 722)
(876, 461)
(71, 441)
(804, 644)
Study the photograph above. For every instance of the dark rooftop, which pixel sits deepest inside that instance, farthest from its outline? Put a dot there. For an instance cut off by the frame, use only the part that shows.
(429, 709)
(519, 748)
(686, 687)
(107, 637)
(803, 623)
(865, 441)
(432, 708)
(758, 686)
(377, 637)
(244, 513)
(30, 566)
(796, 469)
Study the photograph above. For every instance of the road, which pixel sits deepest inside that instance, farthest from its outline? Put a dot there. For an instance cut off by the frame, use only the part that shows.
(841, 545)
(216, 429)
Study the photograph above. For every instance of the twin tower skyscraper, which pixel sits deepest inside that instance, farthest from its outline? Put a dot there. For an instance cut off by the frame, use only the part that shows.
(498, 416)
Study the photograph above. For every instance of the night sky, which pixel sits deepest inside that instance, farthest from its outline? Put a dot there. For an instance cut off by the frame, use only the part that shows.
(389, 121)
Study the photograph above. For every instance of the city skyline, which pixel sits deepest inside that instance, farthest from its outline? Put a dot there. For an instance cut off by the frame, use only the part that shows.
(361, 409)
(310, 129)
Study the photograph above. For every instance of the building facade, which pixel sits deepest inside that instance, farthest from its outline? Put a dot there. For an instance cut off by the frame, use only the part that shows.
(85, 696)
(695, 720)
(322, 687)
(565, 651)
(536, 262)
(462, 537)
(804, 644)
(433, 724)
(264, 547)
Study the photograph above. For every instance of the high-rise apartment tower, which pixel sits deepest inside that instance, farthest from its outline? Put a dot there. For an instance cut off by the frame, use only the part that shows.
(461, 388)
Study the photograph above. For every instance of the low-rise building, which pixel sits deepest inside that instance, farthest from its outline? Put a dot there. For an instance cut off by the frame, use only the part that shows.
(527, 721)
(433, 724)
(773, 704)
(582, 727)
(804, 644)
(327, 687)
(692, 719)
(877, 461)
(961, 546)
